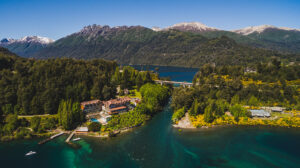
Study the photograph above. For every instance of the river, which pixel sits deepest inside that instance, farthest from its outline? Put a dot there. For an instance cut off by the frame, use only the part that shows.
(157, 144)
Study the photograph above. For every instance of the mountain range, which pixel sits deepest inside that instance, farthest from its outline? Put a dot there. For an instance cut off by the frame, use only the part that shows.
(184, 44)
(27, 45)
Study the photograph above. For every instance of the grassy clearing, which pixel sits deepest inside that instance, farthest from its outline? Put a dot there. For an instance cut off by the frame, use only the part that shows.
(280, 115)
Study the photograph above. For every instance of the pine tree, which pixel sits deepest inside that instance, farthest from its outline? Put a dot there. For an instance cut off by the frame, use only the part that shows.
(208, 114)
(195, 108)
(139, 81)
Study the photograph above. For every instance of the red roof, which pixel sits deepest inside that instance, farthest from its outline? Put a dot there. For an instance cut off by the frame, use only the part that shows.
(113, 110)
(90, 102)
(118, 108)
(117, 101)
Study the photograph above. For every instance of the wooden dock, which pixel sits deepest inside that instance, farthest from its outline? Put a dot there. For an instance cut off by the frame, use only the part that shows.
(49, 139)
(70, 137)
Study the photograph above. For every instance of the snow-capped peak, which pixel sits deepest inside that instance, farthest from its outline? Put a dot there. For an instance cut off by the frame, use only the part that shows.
(191, 26)
(260, 29)
(36, 39)
(156, 28)
(43, 40)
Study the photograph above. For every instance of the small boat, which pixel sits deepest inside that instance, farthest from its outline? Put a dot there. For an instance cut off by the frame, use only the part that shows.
(30, 153)
(76, 139)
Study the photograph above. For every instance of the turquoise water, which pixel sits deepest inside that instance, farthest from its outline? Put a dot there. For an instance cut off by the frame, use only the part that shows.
(157, 144)
(94, 120)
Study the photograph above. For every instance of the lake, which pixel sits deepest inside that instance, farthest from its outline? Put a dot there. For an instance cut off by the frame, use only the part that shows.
(157, 144)
(175, 73)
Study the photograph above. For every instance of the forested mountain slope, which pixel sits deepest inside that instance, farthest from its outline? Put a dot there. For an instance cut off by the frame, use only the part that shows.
(140, 45)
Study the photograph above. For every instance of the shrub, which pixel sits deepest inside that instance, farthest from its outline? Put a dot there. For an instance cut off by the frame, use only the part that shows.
(35, 123)
(177, 115)
(94, 127)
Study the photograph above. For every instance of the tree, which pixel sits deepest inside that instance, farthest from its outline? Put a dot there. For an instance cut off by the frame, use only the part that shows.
(195, 110)
(12, 123)
(238, 111)
(178, 114)
(69, 114)
(148, 78)
(96, 90)
(208, 113)
(8, 109)
(1, 117)
(106, 92)
(117, 76)
(221, 107)
(50, 123)
(125, 79)
(235, 99)
(35, 123)
(94, 127)
(253, 101)
(276, 63)
(139, 81)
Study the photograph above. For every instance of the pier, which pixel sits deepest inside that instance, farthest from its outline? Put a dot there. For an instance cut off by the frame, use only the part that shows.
(49, 139)
(70, 137)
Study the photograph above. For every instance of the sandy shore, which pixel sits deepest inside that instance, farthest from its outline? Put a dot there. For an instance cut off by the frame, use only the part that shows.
(184, 122)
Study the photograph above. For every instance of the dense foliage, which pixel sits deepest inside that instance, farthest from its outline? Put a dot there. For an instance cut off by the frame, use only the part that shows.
(29, 86)
(154, 97)
(69, 114)
(128, 78)
(274, 39)
(139, 45)
(94, 126)
(218, 87)
(178, 114)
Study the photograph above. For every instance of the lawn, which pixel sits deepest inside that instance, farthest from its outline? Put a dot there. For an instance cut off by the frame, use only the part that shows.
(280, 115)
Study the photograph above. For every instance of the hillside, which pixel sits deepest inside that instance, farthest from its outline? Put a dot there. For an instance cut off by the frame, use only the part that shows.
(30, 86)
(284, 40)
(140, 45)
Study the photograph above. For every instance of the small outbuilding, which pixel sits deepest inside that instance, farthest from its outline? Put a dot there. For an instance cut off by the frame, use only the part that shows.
(82, 130)
(277, 109)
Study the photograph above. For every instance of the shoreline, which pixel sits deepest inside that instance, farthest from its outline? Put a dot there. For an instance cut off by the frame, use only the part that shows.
(229, 125)
(186, 123)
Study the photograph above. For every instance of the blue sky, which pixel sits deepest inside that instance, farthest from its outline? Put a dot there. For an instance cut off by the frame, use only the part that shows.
(58, 18)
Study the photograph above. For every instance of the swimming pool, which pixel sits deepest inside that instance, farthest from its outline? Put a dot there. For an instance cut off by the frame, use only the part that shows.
(94, 120)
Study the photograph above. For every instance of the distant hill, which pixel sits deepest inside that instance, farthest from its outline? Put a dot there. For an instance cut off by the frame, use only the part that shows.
(285, 40)
(140, 45)
(25, 46)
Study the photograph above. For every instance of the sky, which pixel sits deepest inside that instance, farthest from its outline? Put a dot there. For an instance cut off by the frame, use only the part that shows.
(58, 18)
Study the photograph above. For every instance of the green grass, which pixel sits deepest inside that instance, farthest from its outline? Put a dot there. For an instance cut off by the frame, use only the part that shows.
(136, 95)
(280, 115)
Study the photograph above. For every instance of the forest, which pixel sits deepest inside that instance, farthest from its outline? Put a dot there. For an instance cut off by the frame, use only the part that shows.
(140, 45)
(218, 89)
(54, 88)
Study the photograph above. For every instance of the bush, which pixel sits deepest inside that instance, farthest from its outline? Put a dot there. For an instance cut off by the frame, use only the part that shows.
(177, 115)
(94, 127)
(208, 113)
(35, 123)
(50, 123)
(238, 111)
(22, 133)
